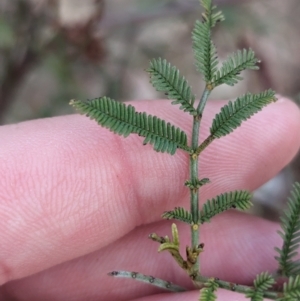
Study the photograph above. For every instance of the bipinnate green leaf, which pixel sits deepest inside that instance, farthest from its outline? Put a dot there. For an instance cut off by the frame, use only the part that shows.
(179, 214)
(124, 120)
(234, 199)
(166, 78)
(234, 113)
(234, 64)
(290, 224)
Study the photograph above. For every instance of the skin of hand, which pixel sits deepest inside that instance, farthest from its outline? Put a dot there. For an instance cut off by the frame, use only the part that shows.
(77, 201)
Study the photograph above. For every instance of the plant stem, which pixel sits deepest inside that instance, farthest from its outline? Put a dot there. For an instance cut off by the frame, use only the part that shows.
(203, 101)
(194, 161)
(199, 279)
(204, 144)
(167, 285)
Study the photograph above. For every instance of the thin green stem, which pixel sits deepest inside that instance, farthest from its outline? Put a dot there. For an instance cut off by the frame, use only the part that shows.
(195, 192)
(202, 102)
(194, 161)
(205, 144)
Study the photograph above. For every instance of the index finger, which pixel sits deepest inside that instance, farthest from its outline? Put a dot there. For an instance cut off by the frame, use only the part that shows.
(69, 187)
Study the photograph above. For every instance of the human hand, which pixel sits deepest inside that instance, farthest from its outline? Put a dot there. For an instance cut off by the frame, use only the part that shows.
(77, 201)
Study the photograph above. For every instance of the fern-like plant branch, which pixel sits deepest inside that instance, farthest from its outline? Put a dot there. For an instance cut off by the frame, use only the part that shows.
(208, 293)
(166, 78)
(123, 120)
(235, 199)
(179, 214)
(204, 49)
(233, 66)
(290, 224)
(210, 15)
(262, 283)
(291, 289)
(234, 113)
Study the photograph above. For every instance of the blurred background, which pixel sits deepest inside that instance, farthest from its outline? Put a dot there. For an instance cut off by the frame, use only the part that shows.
(54, 50)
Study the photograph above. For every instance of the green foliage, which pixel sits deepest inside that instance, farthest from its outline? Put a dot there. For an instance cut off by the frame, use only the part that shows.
(179, 214)
(262, 283)
(291, 289)
(166, 78)
(196, 183)
(235, 199)
(255, 295)
(232, 67)
(123, 120)
(234, 113)
(206, 55)
(204, 49)
(210, 16)
(212, 284)
(231, 200)
(208, 292)
(290, 224)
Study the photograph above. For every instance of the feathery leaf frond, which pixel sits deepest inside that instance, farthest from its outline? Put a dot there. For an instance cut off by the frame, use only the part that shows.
(179, 214)
(262, 283)
(290, 224)
(234, 64)
(254, 295)
(208, 292)
(123, 120)
(291, 289)
(209, 15)
(234, 113)
(234, 199)
(166, 78)
(204, 51)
